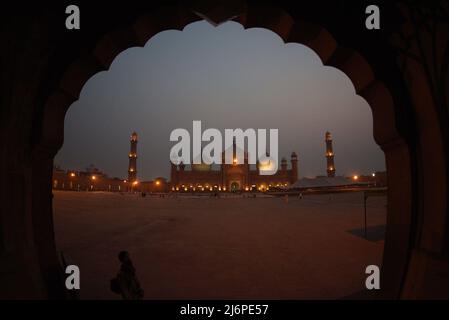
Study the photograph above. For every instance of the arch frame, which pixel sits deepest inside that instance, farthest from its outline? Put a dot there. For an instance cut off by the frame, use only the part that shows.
(402, 258)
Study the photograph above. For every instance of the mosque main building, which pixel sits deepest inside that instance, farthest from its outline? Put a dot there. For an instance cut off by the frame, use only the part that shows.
(232, 177)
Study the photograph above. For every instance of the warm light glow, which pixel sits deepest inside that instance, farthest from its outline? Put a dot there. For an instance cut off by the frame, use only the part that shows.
(72, 174)
(235, 161)
(266, 165)
(158, 183)
(124, 181)
(246, 188)
(355, 177)
(374, 174)
(93, 177)
(135, 182)
(131, 170)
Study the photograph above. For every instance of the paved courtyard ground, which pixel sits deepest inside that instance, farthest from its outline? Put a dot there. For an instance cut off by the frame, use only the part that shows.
(189, 248)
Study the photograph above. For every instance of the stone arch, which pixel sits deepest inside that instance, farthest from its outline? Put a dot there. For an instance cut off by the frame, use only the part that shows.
(401, 207)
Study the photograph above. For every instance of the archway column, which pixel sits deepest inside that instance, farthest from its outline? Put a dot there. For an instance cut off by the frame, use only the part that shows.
(424, 55)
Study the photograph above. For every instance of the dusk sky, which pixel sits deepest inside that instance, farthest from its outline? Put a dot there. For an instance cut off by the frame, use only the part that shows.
(227, 77)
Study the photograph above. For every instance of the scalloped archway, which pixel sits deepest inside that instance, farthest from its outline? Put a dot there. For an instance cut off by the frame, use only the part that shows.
(397, 152)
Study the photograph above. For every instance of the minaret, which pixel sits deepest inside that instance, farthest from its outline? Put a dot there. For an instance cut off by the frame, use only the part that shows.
(329, 156)
(294, 171)
(132, 168)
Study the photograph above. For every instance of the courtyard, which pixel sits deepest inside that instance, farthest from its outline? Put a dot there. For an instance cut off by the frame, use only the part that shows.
(227, 248)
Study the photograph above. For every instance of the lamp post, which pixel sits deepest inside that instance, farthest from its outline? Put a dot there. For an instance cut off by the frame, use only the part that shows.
(93, 178)
(72, 175)
(135, 183)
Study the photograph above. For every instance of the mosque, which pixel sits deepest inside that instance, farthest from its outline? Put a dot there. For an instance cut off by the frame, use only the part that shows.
(230, 177)
(189, 178)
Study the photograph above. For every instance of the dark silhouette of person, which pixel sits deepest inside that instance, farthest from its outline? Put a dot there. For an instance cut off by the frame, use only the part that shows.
(126, 283)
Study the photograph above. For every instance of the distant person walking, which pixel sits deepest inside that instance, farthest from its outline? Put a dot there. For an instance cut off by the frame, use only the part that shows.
(126, 283)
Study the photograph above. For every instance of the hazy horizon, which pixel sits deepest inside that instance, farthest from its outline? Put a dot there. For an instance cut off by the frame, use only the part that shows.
(227, 77)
